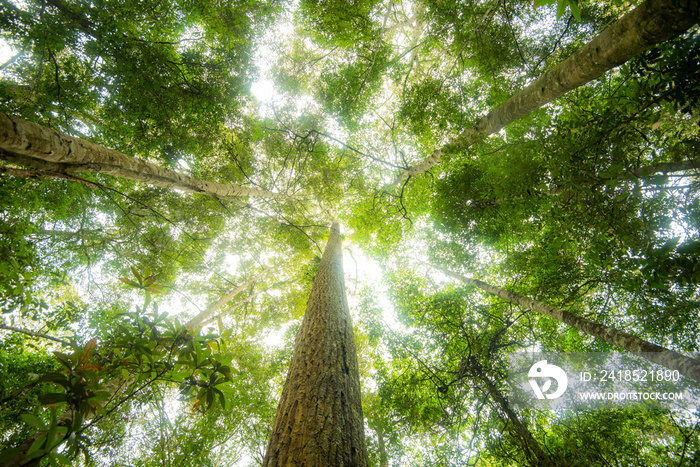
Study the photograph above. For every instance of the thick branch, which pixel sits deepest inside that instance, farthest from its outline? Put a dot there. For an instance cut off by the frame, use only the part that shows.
(32, 145)
(41, 174)
(213, 308)
(34, 334)
(686, 366)
(520, 431)
(652, 22)
(229, 310)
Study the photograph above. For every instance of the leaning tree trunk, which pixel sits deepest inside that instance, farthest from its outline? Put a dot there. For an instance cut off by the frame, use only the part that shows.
(26, 143)
(205, 316)
(381, 444)
(651, 23)
(686, 366)
(319, 420)
(531, 448)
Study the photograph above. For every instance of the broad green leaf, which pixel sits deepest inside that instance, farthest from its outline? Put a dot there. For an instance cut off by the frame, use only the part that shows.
(60, 459)
(52, 398)
(575, 10)
(561, 8)
(32, 420)
(37, 449)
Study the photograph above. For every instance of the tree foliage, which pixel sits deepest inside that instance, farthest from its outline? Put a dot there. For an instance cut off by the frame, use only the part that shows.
(590, 203)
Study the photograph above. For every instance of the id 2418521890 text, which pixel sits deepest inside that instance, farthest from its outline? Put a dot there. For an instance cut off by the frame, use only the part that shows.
(635, 376)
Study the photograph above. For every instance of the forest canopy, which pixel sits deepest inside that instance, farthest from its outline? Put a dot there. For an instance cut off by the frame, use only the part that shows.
(509, 177)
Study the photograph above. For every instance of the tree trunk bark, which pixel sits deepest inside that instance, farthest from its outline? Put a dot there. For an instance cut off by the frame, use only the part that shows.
(319, 420)
(383, 456)
(652, 22)
(26, 143)
(663, 167)
(686, 366)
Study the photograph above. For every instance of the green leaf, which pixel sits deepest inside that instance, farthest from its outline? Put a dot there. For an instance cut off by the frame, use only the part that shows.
(575, 10)
(32, 420)
(210, 398)
(670, 244)
(136, 275)
(60, 458)
(226, 370)
(561, 8)
(37, 448)
(78, 418)
(101, 396)
(52, 398)
(222, 398)
(50, 435)
(64, 359)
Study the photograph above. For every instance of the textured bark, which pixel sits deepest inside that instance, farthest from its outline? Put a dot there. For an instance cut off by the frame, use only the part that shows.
(686, 366)
(528, 443)
(319, 421)
(652, 22)
(32, 145)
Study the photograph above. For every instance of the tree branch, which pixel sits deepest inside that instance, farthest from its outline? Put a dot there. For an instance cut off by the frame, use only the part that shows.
(35, 334)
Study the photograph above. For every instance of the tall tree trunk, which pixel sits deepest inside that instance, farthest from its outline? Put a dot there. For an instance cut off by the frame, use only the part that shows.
(686, 366)
(383, 456)
(319, 420)
(520, 433)
(26, 143)
(652, 22)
